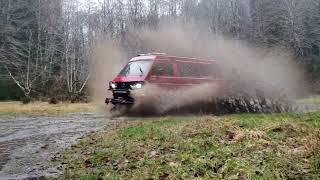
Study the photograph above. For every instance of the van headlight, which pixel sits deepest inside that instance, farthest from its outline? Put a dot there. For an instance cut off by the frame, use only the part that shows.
(113, 85)
(136, 86)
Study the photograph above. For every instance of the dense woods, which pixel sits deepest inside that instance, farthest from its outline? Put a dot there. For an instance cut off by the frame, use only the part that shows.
(45, 45)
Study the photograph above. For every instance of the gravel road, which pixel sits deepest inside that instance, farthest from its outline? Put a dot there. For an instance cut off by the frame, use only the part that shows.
(28, 143)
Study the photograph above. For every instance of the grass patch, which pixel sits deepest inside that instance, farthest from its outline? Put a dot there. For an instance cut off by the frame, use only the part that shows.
(258, 146)
(315, 99)
(43, 108)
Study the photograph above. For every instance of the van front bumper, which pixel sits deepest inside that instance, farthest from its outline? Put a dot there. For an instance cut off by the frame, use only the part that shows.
(117, 101)
(120, 96)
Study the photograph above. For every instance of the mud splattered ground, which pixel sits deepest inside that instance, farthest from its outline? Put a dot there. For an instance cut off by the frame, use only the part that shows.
(28, 143)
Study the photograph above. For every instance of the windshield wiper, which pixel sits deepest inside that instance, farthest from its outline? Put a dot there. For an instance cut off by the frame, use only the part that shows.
(141, 71)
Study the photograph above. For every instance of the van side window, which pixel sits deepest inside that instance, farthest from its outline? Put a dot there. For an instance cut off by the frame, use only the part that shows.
(188, 69)
(162, 69)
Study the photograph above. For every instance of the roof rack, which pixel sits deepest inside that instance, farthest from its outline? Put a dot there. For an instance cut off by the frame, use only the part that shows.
(149, 54)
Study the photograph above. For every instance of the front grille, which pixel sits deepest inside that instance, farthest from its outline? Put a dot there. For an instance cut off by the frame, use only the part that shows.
(122, 95)
(122, 91)
(123, 85)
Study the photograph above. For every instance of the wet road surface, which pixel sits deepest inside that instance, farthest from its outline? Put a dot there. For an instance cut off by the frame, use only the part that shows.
(28, 143)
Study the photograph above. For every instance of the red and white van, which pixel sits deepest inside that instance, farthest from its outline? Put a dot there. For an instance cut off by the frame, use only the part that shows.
(167, 72)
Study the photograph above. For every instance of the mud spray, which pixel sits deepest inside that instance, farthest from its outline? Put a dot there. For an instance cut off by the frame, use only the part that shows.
(256, 79)
(106, 60)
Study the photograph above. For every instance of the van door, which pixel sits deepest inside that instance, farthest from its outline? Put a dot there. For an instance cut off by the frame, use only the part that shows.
(162, 74)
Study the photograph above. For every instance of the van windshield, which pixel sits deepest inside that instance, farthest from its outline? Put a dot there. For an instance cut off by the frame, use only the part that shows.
(137, 68)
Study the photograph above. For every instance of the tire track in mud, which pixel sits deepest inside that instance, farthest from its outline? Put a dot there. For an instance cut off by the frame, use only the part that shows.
(29, 143)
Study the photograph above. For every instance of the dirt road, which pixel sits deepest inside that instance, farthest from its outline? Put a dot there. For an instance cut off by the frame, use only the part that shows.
(28, 143)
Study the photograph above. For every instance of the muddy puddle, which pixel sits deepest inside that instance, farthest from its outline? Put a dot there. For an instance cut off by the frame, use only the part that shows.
(29, 143)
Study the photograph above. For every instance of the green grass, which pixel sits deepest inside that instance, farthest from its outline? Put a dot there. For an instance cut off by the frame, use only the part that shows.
(254, 146)
(43, 108)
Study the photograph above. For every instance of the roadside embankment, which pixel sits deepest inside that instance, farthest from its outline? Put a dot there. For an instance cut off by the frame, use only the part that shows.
(43, 108)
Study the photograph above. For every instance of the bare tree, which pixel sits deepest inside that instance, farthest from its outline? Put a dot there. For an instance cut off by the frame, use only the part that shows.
(47, 43)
